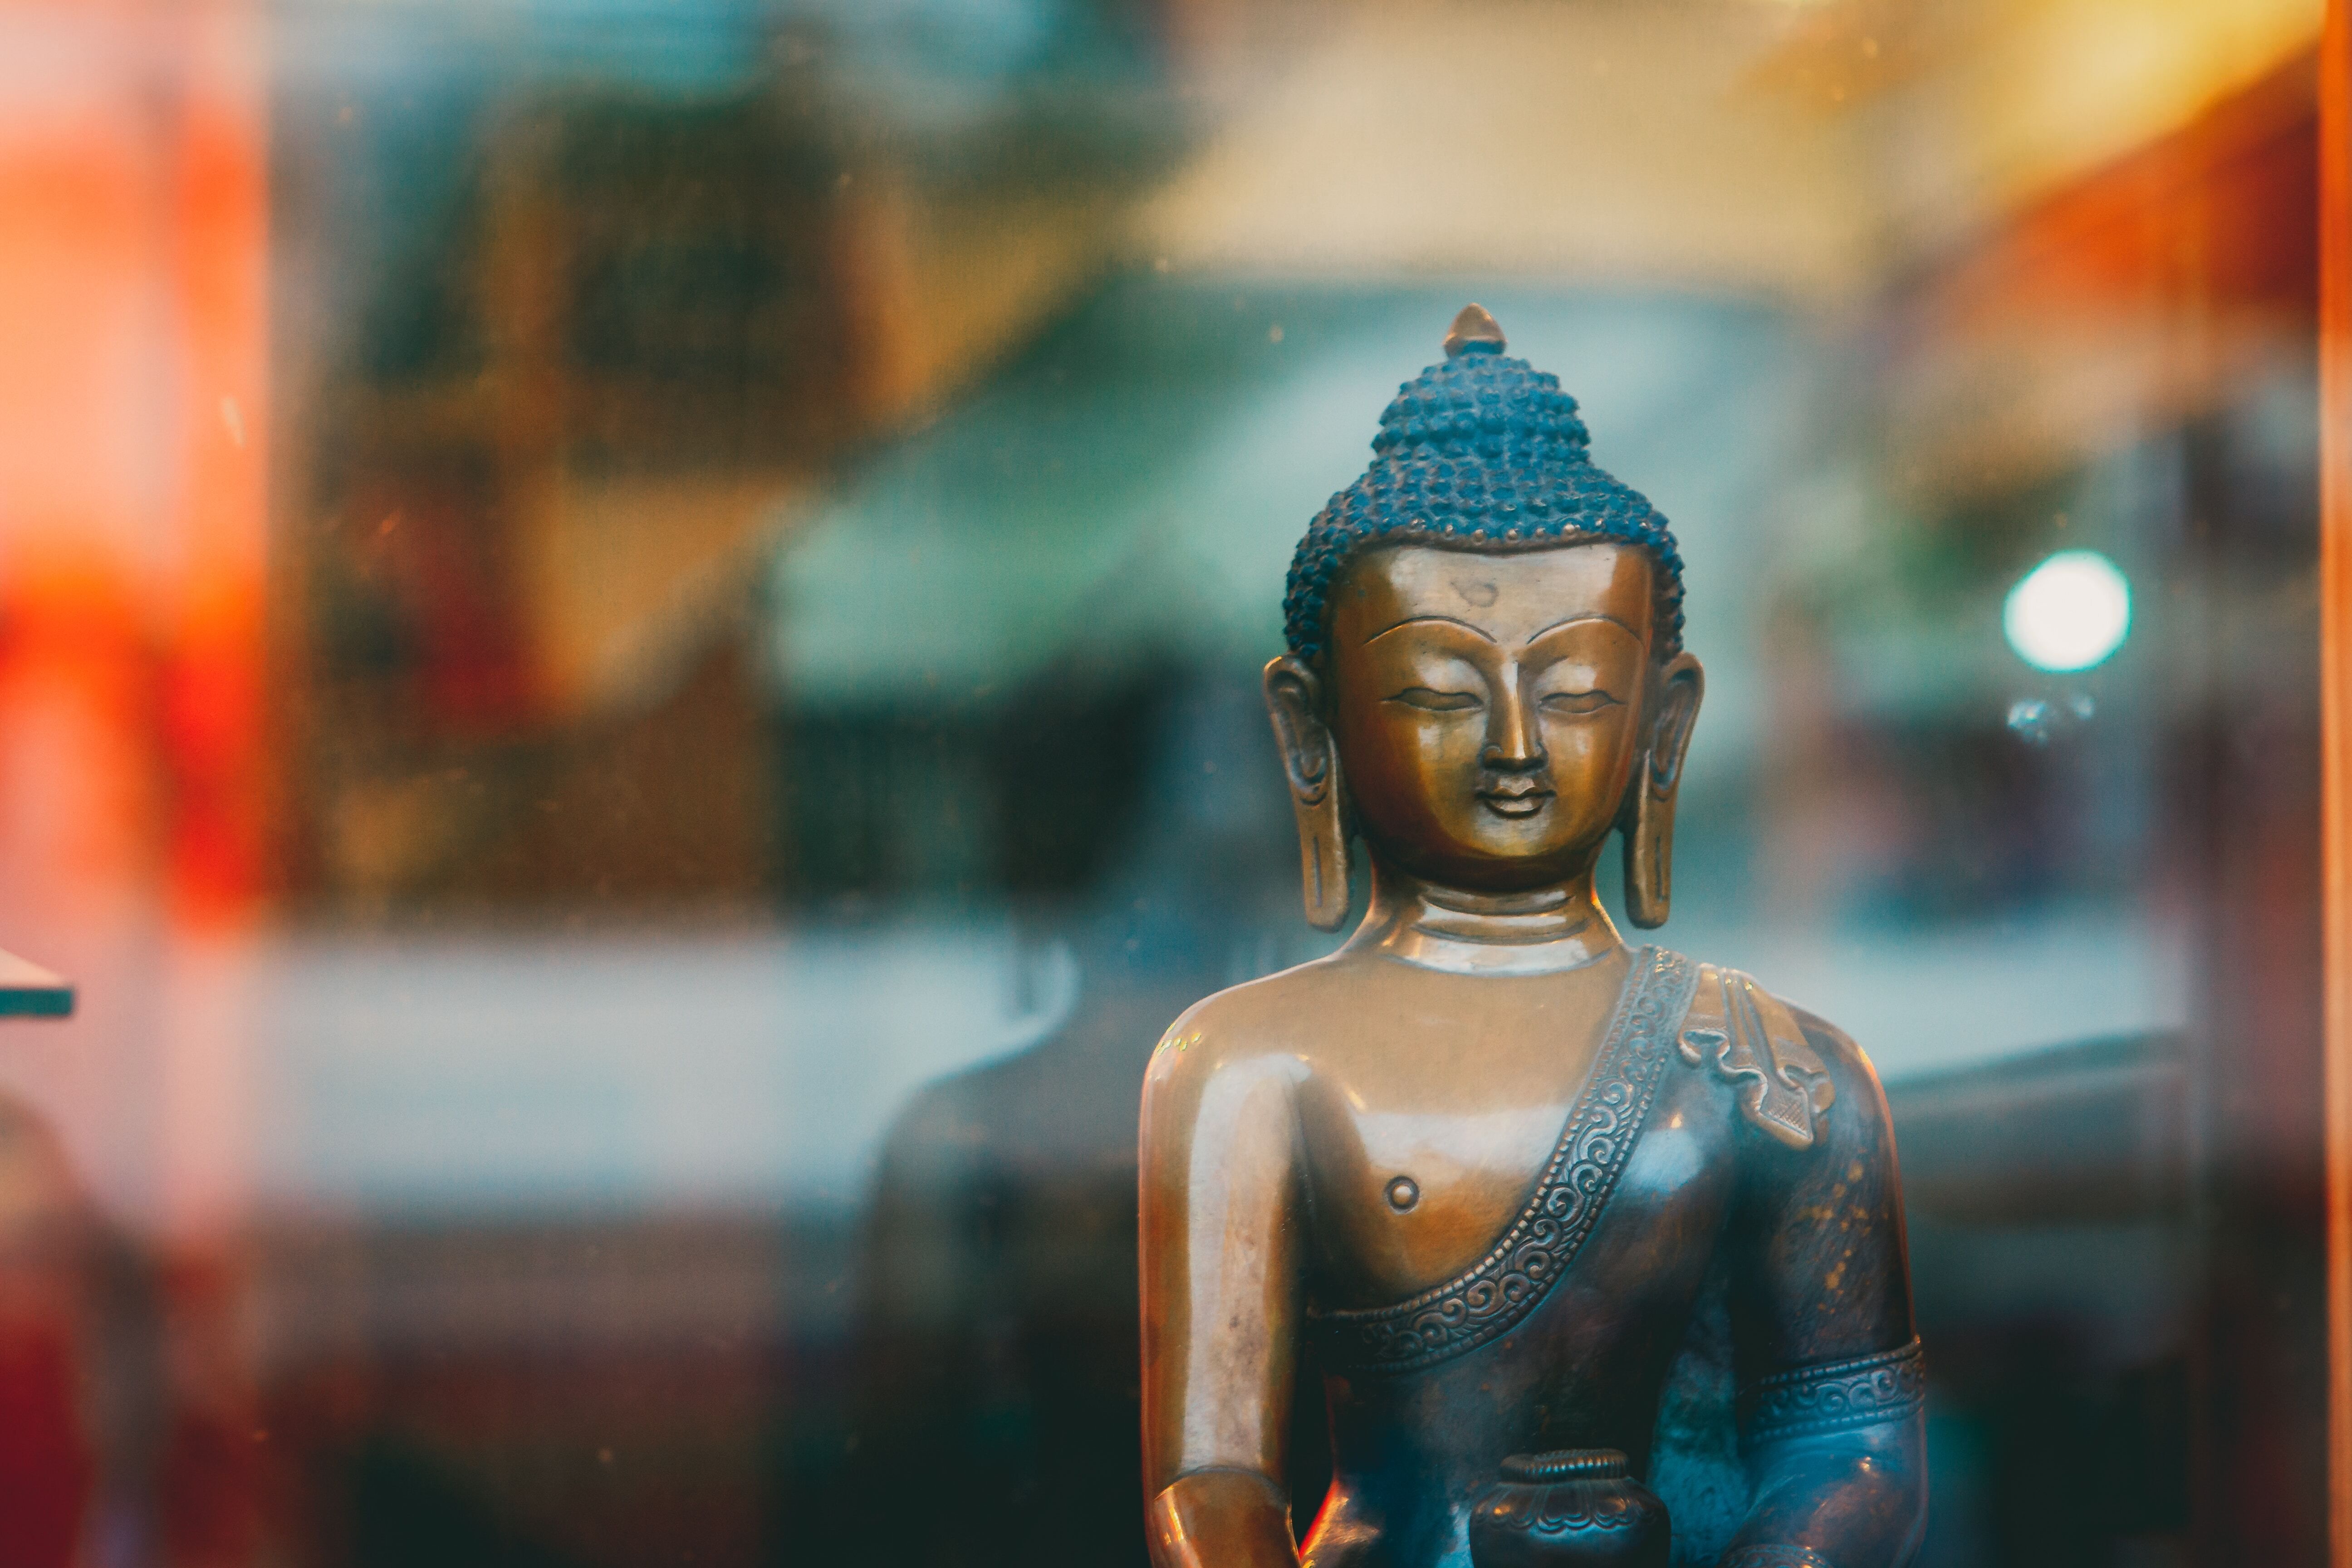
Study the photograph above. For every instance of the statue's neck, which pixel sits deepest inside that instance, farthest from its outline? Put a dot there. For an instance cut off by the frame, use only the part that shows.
(1541, 932)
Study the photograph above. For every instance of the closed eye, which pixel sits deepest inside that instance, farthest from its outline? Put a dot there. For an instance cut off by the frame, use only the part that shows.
(1437, 702)
(1578, 701)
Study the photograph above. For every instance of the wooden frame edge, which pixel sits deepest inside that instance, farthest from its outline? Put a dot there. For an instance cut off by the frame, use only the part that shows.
(2336, 732)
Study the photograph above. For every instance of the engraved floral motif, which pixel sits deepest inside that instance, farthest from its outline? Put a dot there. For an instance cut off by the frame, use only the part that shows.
(1504, 1286)
(1835, 1394)
(1557, 1510)
(1570, 1505)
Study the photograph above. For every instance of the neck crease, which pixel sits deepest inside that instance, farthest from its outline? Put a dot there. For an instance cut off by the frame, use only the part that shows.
(1541, 932)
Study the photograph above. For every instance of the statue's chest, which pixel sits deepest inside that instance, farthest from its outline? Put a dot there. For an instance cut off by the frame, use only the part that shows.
(1404, 1196)
(1404, 1202)
(1391, 1309)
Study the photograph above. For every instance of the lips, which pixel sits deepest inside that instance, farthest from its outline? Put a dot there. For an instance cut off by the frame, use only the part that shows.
(1515, 800)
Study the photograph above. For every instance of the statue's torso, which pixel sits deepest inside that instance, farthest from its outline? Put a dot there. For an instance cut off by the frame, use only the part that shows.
(1413, 1449)
(1589, 1160)
(1467, 1093)
(1459, 1084)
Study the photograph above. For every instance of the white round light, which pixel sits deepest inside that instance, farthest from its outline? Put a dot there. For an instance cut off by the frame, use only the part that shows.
(2069, 613)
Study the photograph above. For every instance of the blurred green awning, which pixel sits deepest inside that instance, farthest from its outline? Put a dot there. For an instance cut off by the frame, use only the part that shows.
(1132, 488)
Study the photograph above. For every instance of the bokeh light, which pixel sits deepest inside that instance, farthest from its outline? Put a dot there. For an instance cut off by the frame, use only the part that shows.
(2069, 613)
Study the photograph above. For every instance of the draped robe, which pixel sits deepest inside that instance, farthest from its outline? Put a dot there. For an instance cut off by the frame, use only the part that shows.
(1708, 1273)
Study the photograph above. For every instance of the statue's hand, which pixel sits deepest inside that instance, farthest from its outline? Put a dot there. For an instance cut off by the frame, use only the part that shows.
(1220, 1518)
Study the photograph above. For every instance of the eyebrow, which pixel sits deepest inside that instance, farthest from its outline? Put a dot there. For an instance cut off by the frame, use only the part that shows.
(1478, 632)
(1578, 620)
(1484, 635)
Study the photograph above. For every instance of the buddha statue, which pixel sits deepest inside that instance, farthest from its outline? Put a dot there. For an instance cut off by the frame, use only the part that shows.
(1598, 1251)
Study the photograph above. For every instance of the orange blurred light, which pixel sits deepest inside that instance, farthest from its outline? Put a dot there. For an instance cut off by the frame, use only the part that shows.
(133, 421)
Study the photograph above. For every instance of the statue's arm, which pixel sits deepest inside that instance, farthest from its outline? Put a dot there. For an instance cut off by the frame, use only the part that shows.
(1827, 1349)
(1221, 1301)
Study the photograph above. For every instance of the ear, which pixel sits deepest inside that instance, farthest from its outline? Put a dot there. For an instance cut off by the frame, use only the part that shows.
(1310, 761)
(1647, 819)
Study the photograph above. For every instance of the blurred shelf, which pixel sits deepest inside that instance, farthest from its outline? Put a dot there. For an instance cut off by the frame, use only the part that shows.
(27, 992)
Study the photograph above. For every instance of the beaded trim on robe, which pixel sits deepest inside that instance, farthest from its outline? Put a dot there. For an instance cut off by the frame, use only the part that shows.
(1832, 1396)
(1520, 1269)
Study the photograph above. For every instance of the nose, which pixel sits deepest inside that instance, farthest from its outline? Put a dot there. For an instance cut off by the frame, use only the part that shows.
(1513, 741)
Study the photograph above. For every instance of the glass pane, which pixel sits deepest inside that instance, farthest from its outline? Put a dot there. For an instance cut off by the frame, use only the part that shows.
(630, 689)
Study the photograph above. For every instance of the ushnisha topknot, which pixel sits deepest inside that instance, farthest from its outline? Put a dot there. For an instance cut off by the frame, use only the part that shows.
(1478, 452)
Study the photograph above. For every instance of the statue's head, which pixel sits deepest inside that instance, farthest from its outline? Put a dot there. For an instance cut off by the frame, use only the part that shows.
(1486, 675)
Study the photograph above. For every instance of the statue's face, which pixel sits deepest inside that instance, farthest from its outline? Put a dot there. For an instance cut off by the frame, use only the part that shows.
(1489, 710)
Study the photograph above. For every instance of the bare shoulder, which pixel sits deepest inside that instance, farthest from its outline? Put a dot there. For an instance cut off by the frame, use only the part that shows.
(1258, 1025)
(1221, 1090)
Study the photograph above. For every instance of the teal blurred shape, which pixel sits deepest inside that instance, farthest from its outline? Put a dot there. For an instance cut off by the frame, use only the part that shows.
(28, 991)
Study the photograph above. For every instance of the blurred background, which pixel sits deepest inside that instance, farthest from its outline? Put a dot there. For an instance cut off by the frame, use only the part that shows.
(628, 640)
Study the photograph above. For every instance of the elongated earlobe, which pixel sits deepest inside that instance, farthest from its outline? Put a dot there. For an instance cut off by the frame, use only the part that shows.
(1647, 820)
(1310, 763)
(1649, 836)
(1323, 854)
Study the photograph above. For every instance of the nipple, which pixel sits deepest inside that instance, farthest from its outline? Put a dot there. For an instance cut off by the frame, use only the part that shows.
(1404, 1192)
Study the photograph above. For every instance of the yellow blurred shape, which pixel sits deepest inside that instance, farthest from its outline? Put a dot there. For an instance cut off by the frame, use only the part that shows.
(1574, 141)
(1803, 148)
(2023, 95)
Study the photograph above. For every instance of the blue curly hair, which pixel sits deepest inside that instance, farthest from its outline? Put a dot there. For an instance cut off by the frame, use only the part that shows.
(1479, 452)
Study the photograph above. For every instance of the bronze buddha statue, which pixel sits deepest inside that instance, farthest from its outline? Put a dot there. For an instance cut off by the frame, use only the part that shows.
(1516, 1189)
